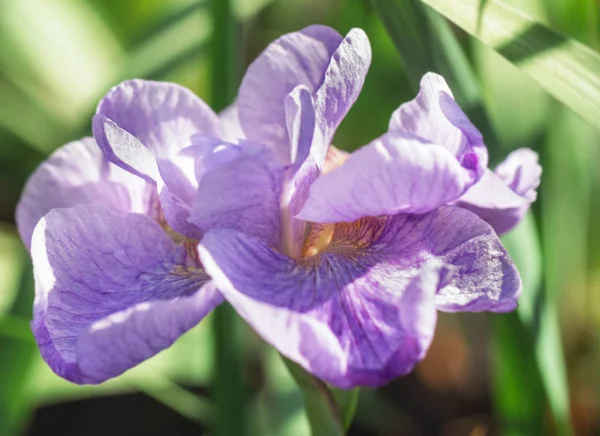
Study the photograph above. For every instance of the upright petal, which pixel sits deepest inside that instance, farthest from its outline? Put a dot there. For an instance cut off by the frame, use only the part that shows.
(111, 291)
(299, 58)
(434, 116)
(503, 198)
(161, 115)
(342, 84)
(231, 130)
(393, 174)
(78, 173)
(361, 311)
(240, 187)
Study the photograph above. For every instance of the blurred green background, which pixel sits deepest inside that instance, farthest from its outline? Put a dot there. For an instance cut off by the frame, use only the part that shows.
(533, 372)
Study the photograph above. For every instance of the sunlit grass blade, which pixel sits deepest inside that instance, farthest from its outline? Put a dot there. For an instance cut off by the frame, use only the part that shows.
(569, 166)
(565, 68)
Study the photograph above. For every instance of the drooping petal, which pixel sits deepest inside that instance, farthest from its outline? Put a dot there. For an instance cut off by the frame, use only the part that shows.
(111, 291)
(434, 116)
(240, 187)
(362, 310)
(393, 174)
(78, 173)
(298, 58)
(503, 198)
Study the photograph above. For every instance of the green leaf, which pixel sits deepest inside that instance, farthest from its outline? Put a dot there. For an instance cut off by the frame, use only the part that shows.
(17, 355)
(518, 393)
(565, 68)
(329, 410)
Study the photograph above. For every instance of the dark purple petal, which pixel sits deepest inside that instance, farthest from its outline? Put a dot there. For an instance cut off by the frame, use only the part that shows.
(393, 174)
(78, 173)
(434, 116)
(299, 58)
(362, 310)
(503, 198)
(240, 187)
(111, 291)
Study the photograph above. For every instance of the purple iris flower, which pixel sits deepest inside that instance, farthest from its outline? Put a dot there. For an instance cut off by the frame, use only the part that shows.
(339, 261)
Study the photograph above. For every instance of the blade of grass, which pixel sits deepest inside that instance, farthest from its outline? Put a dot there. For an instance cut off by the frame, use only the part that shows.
(229, 388)
(565, 68)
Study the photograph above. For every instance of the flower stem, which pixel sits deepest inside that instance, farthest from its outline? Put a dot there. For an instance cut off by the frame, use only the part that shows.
(229, 389)
(330, 411)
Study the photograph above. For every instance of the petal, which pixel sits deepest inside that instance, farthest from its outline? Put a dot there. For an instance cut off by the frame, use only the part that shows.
(231, 129)
(305, 143)
(299, 58)
(161, 115)
(521, 172)
(362, 311)
(125, 150)
(350, 330)
(342, 84)
(393, 174)
(78, 173)
(111, 291)
(503, 198)
(240, 187)
(434, 116)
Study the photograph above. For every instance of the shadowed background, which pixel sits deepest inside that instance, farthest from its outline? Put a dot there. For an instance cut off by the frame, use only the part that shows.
(527, 373)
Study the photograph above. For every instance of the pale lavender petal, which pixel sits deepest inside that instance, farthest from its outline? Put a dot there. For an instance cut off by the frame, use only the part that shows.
(393, 174)
(111, 291)
(240, 187)
(161, 115)
(299, 58)
(305, 144)
(362, 310)
(342, 84)
(434, 116)
(78, 173)
(125, 150)
(521, 172)
(503, 198)
(231, 129)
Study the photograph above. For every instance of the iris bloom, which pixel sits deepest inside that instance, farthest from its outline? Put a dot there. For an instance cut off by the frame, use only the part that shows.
(339, 261)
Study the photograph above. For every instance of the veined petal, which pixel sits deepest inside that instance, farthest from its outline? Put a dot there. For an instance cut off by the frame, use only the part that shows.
(298, 58)
(393, 174)
(78, 173)
(343, 81)
(231, 130)
(125, 150)
(434, 116)
(111, 291)
(503, 198)
(240, 187)
(362, 310)
(161, 115)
